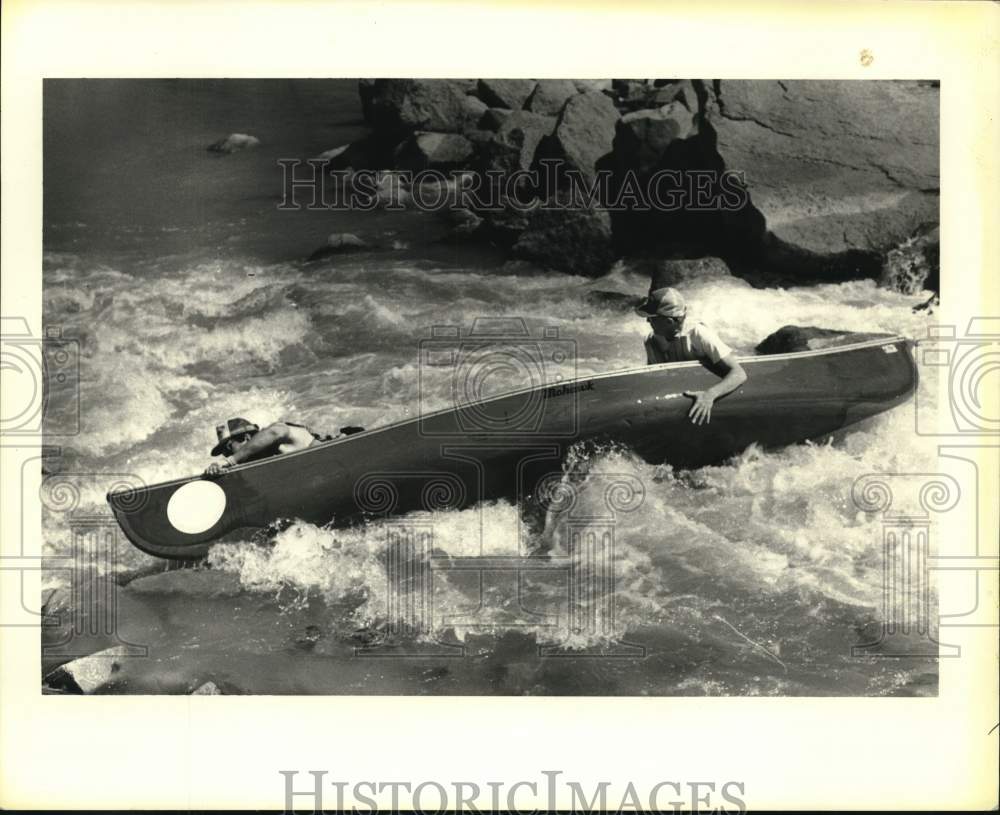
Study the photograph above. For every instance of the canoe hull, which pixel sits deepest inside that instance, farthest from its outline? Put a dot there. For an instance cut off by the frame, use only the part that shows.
(506, 446)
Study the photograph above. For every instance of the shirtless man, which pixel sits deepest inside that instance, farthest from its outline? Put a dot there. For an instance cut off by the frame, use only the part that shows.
(677, 337)
(241, 441)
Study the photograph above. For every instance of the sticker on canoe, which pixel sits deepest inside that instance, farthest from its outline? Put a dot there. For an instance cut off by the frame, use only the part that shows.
(196, 506)
(890, 349)
(563, 390)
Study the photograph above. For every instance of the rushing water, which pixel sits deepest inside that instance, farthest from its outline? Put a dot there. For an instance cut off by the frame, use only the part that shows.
(185, 288)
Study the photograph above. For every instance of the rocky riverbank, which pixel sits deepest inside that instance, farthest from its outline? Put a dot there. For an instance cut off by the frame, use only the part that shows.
(783, 182)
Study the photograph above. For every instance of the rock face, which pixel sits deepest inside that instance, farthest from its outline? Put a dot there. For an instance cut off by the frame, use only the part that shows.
(807, 181)
(833, 165)
(233, 143)
(791, 338)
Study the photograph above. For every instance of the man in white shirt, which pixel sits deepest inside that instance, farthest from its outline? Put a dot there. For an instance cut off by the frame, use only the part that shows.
(678, 338)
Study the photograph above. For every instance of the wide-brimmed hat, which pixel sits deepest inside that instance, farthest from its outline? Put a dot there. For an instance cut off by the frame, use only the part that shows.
(665, 302)
(232, 427)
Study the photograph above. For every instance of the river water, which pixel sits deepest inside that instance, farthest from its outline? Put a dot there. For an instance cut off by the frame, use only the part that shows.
(188, 293)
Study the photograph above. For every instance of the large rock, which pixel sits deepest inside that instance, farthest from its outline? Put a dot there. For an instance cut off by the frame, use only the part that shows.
(583, 134)
(514, 143)
(577, 241)
(791, 338)
(398, 107)
(505, 93)
(642, 138)
(89, 674)
(550, 95)
(834, 166)
(234, 143)
(684, 270)
(437, 151)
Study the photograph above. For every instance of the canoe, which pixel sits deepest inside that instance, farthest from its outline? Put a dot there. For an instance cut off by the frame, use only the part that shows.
(508, 445)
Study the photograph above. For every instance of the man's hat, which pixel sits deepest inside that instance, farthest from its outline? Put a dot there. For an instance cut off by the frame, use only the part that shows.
(231, 428)
(665, 302)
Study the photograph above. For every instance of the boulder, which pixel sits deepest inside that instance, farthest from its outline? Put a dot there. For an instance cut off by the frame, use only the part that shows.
(577, 241)
(505, 93)
(463, 222)
(362, 154)
(514, 144)
(233, 143)
(550, 95)
(678, 271)
(642, 138)
(493, 119)
(791, 338)
(208, 689)
(398, 107)
(339, 244)
(473, 109)
(437, 151)
(833, 166)
(584, 133)
(593, 85)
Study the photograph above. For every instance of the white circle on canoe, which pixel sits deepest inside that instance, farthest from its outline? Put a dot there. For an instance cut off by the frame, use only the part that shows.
(196, 507)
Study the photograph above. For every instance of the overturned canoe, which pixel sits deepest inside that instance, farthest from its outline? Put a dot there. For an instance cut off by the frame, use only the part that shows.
(506, 446)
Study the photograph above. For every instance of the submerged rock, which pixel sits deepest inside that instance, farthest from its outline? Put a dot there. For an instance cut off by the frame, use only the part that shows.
(613, 300)
(89, 674)
(791, 338)
(339, 243)
(233, 143)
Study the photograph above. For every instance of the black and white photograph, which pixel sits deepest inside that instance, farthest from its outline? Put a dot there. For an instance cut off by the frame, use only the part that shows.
(475, 407)
(490, 386)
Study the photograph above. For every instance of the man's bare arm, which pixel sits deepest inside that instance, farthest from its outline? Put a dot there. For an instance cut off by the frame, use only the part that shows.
(267, 439)
(701, 410)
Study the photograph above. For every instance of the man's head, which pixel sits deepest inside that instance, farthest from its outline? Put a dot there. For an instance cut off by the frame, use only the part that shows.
(233, 435)
(665, 310)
